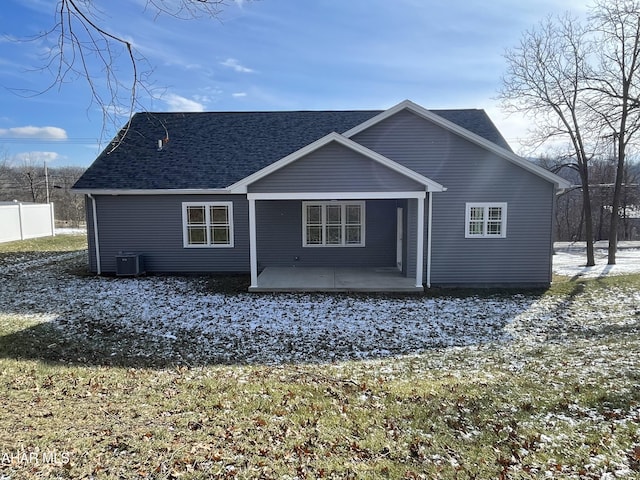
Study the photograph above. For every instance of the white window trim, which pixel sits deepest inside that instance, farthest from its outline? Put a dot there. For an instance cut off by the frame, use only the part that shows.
(343, 204)
(486, 206)
(185, 231)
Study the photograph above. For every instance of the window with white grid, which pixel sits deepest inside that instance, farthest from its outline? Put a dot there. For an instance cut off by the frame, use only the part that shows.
(208, 224)
(333, 224)
(486, 220)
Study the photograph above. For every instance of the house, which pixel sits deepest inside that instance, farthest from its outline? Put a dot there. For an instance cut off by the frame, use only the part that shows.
(407, 195)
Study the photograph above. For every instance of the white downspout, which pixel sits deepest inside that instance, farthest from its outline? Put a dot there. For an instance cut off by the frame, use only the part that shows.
(429, 223)
(95, 233)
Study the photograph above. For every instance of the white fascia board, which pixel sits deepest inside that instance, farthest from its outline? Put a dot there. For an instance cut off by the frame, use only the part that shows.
(241, 186)
(335, 195)
(464, 133)
(163, 191)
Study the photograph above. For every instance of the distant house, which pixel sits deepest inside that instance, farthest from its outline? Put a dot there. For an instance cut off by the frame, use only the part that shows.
(421, 197)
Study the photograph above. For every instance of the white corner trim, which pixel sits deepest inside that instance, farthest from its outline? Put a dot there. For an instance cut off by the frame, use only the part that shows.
(241, 186)
(96, 238)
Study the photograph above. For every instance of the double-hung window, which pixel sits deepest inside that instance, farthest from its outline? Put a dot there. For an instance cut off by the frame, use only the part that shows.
(333, 224)
(486, 220)
(207, 224)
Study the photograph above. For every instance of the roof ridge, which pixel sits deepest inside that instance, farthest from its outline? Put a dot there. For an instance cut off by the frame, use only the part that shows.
(354, 110)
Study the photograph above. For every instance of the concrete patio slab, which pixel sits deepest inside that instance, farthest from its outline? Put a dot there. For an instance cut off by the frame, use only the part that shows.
(330, 279)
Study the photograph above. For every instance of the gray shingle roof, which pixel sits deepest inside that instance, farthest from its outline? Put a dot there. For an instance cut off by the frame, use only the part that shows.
(217, 149)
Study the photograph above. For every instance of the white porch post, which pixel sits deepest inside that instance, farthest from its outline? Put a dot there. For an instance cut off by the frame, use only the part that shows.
(429, 223)
(420, 242)
(253, 253)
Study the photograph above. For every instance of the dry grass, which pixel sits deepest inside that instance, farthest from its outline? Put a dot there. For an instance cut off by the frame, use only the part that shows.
(561, 400)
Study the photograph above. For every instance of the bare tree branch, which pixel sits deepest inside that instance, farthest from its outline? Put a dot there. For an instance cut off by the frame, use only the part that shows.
(81, 46)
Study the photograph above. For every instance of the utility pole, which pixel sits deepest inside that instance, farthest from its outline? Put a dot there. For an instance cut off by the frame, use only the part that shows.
(46, 180)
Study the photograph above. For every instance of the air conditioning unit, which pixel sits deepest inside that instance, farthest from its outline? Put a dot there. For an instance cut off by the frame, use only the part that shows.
(129, 264)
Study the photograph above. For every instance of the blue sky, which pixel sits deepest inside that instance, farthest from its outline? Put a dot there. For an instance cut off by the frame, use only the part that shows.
(268, 55)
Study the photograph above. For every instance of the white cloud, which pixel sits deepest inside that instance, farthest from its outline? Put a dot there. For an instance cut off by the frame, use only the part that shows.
(235, 65)
(48, 133)
(36, 157)
(176, 103)
(239, 94)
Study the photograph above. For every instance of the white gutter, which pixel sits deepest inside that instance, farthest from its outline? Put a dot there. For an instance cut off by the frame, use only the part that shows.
(160, 191)
(95, 233)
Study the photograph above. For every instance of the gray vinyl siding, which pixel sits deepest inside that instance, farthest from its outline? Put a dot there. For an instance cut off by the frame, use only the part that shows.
(471, 174)
(335, 168)
(279, 233)
(152, 225)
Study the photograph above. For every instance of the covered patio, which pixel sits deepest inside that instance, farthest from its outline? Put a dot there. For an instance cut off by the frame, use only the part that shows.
(335, 169)
(334, 279)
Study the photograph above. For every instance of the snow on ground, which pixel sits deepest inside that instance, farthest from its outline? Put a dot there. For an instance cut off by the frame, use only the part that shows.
(570, 260)
(180, 320)
(70, 231)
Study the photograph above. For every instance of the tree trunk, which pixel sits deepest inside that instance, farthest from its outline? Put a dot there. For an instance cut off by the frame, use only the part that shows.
(615, 205)
(588, 224)
(578, 235)
(586, 211)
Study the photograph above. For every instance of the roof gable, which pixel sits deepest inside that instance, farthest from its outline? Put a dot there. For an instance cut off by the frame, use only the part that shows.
(429, 185)
(501, 151)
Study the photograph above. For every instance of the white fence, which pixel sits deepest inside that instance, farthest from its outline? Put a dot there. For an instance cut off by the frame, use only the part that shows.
(19, 221)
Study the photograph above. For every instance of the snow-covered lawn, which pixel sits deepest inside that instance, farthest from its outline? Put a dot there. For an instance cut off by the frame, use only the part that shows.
(570, 260)
(488, 386)
(180, 320)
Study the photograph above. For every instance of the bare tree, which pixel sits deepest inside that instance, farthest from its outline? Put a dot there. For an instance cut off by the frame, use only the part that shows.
(545, 80)
(615, 88)
(83, 46)
(25, 182)
(602, 173)
(630, 200)
(28, 182)
(5, 170)
(69, 206)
